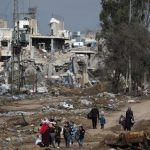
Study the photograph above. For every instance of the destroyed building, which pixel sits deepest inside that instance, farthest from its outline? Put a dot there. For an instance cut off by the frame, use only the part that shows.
(30, 58)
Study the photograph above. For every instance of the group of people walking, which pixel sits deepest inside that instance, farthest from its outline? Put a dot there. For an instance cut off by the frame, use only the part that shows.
(95, 116)
(126, 121)
(50, 134)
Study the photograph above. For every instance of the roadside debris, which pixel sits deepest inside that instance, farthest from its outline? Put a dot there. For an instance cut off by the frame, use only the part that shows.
(86, 103)
(65, 105)
(133, 140)
(4, 89)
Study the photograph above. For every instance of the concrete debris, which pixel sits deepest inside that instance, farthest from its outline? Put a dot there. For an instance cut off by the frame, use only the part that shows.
(16, 113)
(111, 101)
(145, 92)
(44, 51)
(47, 109)
(109, 95)
(133, 101)
(65, 105)
(112, 106)
(100, 95)
(106, 94)
(15, 97)
(4, 88)
(42, 89)
(8, 139)
(19, 97)
(86, 102)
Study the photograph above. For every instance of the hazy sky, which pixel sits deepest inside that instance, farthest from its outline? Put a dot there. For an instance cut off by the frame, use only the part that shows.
(78, 15)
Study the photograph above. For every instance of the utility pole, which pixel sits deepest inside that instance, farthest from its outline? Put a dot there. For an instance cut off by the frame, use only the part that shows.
(15, 19)
(15, 12)
(16, 48)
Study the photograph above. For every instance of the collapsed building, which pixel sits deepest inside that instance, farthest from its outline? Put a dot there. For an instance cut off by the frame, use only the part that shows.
(30, 59)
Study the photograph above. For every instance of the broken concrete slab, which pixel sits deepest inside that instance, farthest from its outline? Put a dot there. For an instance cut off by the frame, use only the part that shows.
(109, 95)
(86, 102)
(65, 105)
(42, 89)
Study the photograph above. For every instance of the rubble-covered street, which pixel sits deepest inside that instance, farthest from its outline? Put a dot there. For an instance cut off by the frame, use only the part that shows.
(20, 117)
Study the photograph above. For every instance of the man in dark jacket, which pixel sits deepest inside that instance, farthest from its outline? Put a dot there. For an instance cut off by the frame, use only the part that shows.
(67, 134)
(94, 116)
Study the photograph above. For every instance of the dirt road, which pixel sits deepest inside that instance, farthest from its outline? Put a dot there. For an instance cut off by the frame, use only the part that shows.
(93, 136)
(141, 112)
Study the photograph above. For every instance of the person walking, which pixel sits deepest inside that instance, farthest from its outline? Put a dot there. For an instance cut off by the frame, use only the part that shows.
(39, 141)
(73, 132)
(129, 121)
(94, 116)
(67, 134)
(44, 131)
(81, 133)
(52, 134)
(58, 135)
(102, 121)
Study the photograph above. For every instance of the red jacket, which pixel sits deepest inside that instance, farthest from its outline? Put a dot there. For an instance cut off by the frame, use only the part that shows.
(44, 128)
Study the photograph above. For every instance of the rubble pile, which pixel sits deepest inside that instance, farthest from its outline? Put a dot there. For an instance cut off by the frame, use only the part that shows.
(93, 90)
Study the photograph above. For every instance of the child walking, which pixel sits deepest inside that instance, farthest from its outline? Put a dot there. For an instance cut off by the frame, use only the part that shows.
(102, 121)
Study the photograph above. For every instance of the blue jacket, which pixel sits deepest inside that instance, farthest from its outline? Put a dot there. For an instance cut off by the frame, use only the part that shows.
(102, 120)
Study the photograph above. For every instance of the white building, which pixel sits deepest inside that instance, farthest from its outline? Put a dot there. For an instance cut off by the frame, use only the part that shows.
(5, 42)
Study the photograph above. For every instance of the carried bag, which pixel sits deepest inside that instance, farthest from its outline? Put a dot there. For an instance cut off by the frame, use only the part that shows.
(89, 115)
(132, 121)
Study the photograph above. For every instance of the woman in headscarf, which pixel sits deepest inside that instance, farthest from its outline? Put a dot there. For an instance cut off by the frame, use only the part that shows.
(44, 131)
(129, 121)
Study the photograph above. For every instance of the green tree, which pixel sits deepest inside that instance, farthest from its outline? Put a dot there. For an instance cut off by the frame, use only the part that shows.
(126, 40)
(115, 12)
(133, 41)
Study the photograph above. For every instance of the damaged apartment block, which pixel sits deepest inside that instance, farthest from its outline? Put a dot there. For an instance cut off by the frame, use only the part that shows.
(30, 59)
